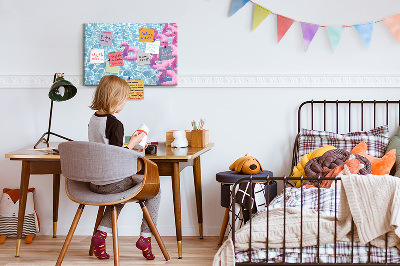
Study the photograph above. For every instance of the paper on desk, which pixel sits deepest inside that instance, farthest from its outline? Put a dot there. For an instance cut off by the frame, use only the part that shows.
(47, 150)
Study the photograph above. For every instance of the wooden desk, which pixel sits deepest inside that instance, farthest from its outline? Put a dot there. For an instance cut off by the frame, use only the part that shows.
(170, 162)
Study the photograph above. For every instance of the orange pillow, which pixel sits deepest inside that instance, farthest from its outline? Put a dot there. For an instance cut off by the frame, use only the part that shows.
(380, 166)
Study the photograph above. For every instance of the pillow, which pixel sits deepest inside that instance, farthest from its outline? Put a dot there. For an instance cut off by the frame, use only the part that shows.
(380, 166)
(298, 170)
(332, 159)
(394, 143)
(377, 139)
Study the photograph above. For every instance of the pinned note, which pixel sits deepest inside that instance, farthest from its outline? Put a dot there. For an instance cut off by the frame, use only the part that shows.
(165, 53)
(116, 59)
(110, 69)
(96, 56)
(106, 38)
(153, 47)
(137, 89)
(146, 35)
(143, 58)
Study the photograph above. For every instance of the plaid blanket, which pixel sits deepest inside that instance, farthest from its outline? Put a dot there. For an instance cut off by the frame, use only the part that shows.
(326, 252)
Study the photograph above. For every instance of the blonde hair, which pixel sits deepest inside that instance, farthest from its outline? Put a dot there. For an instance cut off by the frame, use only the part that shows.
(109, 93)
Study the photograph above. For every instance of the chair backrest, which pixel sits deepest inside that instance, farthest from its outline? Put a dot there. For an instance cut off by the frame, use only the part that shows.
(93, 162)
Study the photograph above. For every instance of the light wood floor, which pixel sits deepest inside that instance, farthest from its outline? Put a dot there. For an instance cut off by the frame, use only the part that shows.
(44, 250)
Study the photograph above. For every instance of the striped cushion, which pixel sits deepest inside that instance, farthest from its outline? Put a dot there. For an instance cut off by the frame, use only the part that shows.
(8, 225)
(377, 139)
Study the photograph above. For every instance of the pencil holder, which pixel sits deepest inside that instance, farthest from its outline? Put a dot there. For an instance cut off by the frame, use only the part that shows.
(199, 138)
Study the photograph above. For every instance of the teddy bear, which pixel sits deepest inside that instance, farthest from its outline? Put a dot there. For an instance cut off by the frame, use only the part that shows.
(180, 140)
(9, 205)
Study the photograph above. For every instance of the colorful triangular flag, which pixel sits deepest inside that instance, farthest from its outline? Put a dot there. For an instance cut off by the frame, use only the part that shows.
(283, 25)
(260, 13)
(309, 31)
(335, 35)
(365, 32)
(236, 5)
(393, 23)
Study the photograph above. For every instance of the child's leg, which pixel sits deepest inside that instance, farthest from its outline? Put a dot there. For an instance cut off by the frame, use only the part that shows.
(99, 239)
(144, 242)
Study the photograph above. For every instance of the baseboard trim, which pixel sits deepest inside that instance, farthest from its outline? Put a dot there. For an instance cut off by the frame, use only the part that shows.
(132, 231)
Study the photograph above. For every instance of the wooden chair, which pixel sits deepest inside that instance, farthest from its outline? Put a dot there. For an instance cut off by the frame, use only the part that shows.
(83, 162)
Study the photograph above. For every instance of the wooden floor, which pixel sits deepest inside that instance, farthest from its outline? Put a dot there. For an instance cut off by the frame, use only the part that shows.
(44, 250)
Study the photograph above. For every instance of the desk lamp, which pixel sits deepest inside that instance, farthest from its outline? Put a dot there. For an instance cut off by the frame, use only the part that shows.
(61, 90)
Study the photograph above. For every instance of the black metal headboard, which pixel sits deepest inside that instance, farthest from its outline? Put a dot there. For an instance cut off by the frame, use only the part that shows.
(346, 116)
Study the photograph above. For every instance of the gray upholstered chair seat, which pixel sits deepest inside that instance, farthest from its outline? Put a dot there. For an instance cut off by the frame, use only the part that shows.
(80, 192)
(83, 162)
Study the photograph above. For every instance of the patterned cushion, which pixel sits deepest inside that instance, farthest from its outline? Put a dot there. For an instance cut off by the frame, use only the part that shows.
(377, 139)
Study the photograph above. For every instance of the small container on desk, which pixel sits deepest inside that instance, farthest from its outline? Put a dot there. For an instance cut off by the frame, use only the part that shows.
(200, 138)
(170, 137)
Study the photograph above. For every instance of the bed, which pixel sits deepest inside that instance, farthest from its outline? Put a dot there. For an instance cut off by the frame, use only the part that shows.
(353, 221)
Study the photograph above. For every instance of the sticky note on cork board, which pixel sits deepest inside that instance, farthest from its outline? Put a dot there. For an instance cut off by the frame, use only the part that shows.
(137, 89)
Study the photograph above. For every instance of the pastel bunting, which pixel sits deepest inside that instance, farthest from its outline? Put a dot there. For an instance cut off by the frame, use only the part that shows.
(393, 24)
(365, 32)
(236, 5)
(309, 31)
(260, 13)
(335, 35)
(283, 25)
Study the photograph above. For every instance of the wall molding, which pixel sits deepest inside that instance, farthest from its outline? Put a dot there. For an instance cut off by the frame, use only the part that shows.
(227, 81)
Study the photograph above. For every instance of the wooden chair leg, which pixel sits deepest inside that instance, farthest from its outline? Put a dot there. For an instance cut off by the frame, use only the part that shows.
(70, 234)
(98, 220)
(154, 230)
(223, 227)
(115, 234)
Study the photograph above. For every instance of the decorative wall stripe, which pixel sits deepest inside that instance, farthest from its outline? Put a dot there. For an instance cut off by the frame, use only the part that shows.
(243, 81)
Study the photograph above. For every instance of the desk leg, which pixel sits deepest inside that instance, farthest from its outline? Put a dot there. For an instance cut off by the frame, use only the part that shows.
(25, 175)
(56, 199)
(197, 187)
(176, 190)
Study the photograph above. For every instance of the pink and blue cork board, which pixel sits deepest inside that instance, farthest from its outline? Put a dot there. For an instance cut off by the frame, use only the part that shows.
(132, 39)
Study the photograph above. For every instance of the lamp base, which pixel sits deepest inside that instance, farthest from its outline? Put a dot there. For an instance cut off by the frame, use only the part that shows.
(45, 139)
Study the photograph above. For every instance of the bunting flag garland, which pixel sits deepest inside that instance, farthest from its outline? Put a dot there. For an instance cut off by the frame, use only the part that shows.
(365, 32)
(309, 30)
(335, 34)
(260, 13)
(283, 25)
(393, 24)
(236, 5)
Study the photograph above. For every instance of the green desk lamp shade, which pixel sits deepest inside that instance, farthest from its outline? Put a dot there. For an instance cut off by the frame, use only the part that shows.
(61, 90)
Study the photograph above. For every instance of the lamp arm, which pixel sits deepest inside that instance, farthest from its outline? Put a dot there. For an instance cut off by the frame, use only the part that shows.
(51, 114)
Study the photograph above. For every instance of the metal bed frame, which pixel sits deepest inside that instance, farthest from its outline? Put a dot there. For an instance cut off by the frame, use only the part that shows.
(337, 109)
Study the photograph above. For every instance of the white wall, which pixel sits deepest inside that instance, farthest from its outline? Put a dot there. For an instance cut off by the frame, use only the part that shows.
(40, 38)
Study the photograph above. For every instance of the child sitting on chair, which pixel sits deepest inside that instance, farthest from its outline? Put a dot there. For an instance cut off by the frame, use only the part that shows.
(110, 98)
